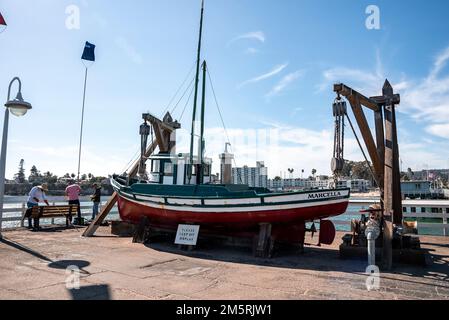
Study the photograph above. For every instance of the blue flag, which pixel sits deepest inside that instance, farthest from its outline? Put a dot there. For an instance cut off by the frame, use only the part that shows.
(89, 52)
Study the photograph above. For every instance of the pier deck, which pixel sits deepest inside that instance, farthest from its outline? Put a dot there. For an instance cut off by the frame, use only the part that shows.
(33, 266)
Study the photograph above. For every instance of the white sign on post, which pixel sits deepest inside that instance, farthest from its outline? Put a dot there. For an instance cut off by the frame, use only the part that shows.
(187, 234)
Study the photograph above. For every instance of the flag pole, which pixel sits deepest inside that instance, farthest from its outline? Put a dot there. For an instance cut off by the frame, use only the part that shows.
(82, 126)
(88, 55)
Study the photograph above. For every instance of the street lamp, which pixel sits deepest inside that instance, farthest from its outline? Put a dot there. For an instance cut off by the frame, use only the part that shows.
(19, 108)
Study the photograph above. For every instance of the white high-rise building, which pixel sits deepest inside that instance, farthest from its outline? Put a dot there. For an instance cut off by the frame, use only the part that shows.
(256, 177)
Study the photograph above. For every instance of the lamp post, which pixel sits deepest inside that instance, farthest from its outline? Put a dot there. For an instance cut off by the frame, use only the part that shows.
(19, 108)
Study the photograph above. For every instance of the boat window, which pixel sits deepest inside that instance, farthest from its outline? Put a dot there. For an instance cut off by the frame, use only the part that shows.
(168, 169)
(423, 210)
(447, 210)
(413, 210)
(156, 166)
(404, 209)
(206, 170)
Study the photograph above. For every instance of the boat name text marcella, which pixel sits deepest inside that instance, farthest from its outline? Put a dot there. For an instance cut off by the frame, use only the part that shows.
(324, 195)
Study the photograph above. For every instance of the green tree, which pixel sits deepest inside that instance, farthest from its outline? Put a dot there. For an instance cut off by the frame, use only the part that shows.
(73, 175)
(50, 177)
(361, 170)
(35, 175)
(314, 172)
(99, 179)
(20, 176)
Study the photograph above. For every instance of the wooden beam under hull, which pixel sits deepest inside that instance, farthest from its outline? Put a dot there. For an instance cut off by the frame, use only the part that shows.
(90, 231)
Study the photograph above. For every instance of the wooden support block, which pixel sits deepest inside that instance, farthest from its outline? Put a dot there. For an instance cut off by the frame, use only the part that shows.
(263, 247)
(142, 232)
(122, 229)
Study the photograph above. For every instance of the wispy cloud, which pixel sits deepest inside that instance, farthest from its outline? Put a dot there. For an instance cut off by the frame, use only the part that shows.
(439, 130)
(440, 63)
(276, 70)
(256, 35)
(297, 110)
(367, 81)
(129, 50)
(251, 51)
(428, 99)
(285, 82)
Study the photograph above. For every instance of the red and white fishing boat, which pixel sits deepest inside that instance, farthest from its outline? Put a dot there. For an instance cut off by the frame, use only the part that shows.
(229, 206)
(179, 191)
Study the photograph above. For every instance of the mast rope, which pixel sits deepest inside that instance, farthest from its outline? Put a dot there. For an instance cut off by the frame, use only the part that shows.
(182, 97)
(179, 89)
(187, 103)
(133, 159)
(223, 123)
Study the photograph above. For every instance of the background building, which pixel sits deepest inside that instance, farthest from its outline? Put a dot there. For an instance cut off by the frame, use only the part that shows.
(356, 185)
(298, 184)
(256, 177)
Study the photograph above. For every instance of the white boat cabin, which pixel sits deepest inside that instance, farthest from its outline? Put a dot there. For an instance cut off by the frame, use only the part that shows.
(173, 170)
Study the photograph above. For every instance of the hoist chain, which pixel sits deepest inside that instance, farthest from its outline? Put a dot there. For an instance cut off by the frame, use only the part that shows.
(339, 110)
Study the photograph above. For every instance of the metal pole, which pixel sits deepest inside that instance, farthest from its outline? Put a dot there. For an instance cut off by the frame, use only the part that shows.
(200, 179)
(195, 99)
(4, 150)
(3, 165)
(82, 126)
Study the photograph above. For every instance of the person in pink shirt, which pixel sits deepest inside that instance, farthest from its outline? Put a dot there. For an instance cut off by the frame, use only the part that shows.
(72, 192)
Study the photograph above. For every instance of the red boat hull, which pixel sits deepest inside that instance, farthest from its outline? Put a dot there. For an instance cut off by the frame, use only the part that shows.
(134, 211)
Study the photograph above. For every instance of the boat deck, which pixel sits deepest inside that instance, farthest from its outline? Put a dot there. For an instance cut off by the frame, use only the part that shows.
(33, 267)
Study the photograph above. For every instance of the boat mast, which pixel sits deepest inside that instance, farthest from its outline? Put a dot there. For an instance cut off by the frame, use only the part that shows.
(200, 171)
(195, 99)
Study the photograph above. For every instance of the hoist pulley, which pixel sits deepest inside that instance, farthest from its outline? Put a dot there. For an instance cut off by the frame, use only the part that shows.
(339, 109)
(145, 131)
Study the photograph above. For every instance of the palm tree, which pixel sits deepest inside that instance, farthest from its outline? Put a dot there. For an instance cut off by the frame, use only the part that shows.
(314, 172)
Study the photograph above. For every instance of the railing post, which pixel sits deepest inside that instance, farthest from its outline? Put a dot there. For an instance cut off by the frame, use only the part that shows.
(22, 220)
(445, 225)
(53, 219)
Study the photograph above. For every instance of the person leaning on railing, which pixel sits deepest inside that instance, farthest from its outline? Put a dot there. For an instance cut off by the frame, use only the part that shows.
(96, 199)
(72, 193)
(36, 195)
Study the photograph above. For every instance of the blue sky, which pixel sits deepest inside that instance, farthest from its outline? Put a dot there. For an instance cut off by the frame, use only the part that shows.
(273, 64)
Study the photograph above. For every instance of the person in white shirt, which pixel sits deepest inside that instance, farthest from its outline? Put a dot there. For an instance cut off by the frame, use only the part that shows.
(36, 195)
